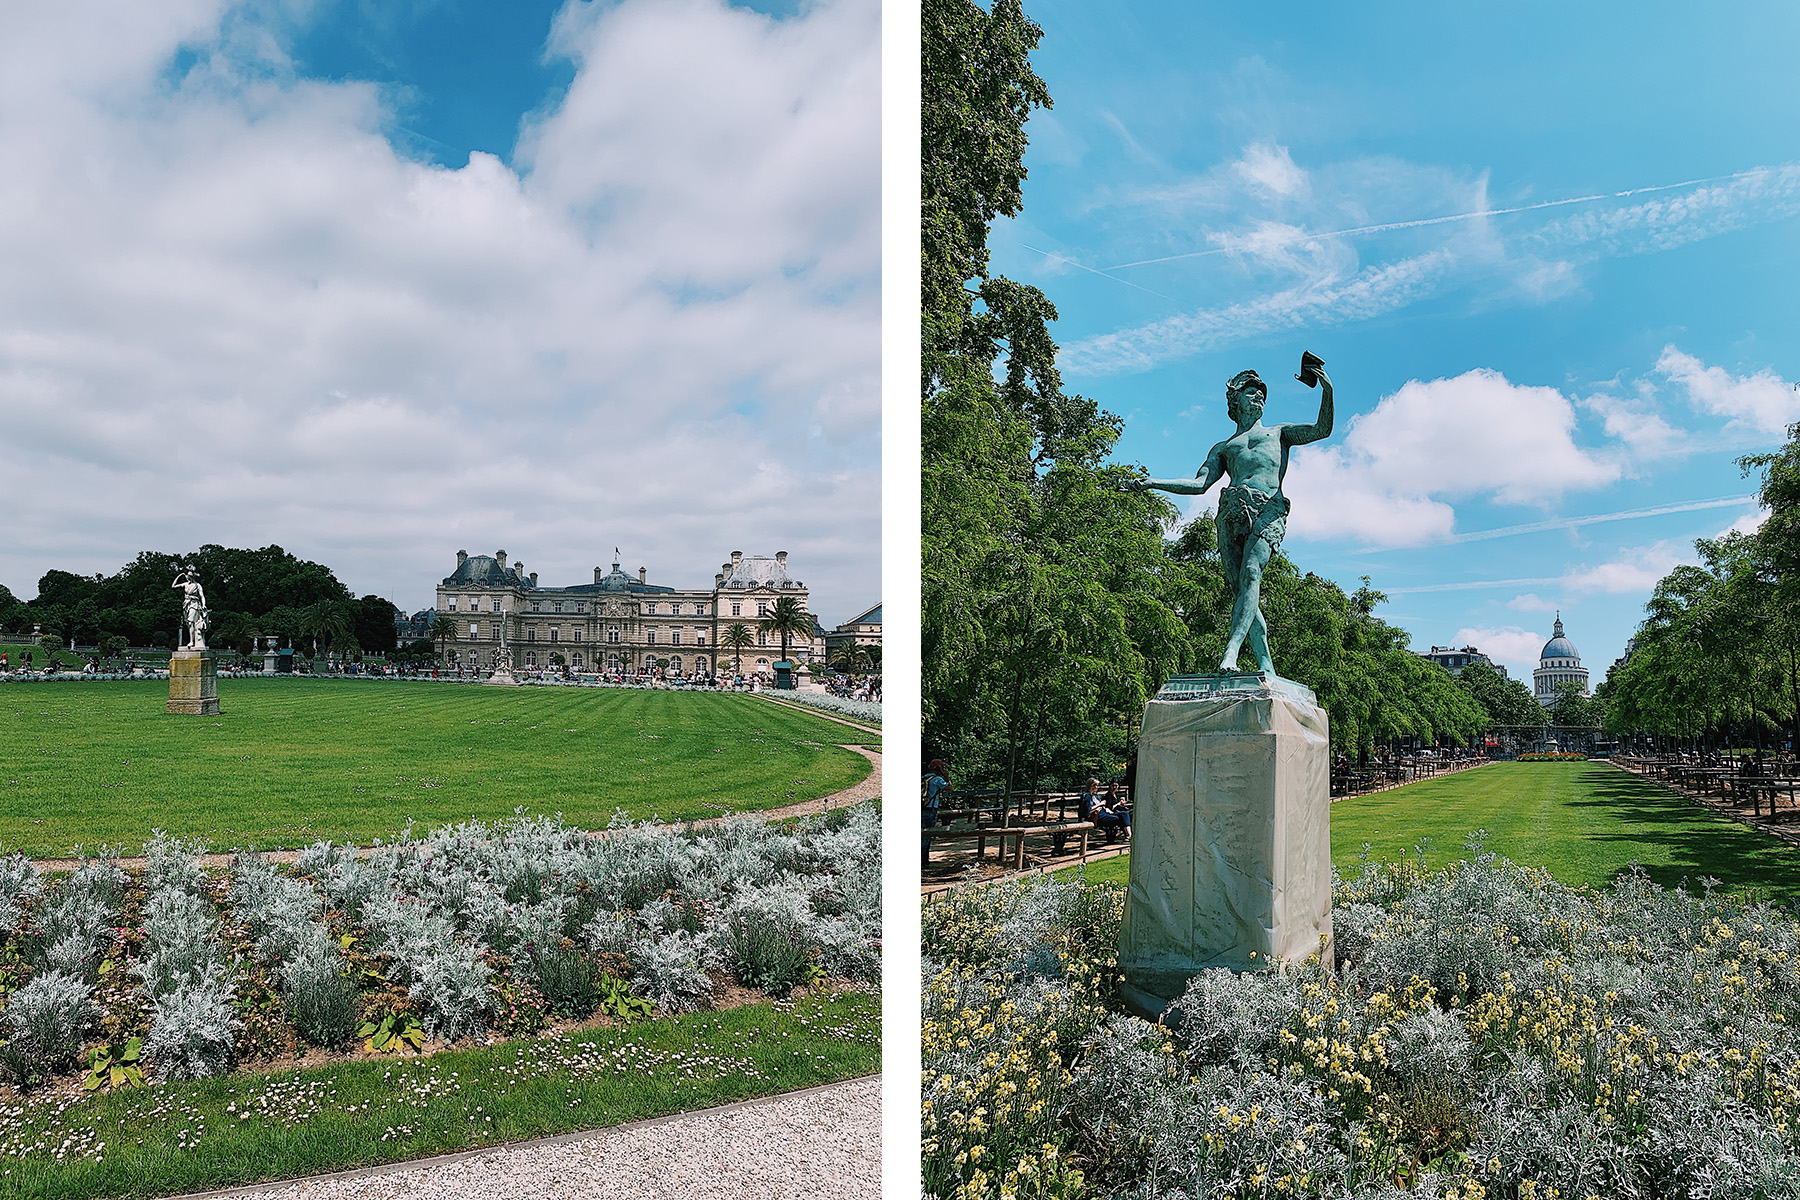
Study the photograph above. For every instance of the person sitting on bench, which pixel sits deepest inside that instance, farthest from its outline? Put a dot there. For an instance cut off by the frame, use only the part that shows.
(1084, 808)
(1112, 814)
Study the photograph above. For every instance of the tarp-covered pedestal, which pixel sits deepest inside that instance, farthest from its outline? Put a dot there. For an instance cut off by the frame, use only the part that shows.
(1231, 833)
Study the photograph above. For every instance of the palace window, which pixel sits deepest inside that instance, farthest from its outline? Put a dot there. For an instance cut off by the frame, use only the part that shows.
(531, 658)
(762, 610)
(735, 612)
(576, 634)
(452, 607)
(699, 639)
(650, 636)
(555, 634)
(651, 607)
(762, 639)
(496, 604)
(556, 606)
(535, 605)
(474, 630)
(531, 633)
(675, 637)
(576, 660)
(581, 606)
(612, 633)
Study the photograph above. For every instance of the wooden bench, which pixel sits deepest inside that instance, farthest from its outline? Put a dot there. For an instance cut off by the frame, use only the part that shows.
(981, 833)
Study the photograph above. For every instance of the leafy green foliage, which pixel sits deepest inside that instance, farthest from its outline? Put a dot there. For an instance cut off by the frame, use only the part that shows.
(393, 1033)
(617, 1001)
(115, 1065)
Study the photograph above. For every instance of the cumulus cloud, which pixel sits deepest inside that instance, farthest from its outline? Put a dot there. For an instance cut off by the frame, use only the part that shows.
(1531, 602)
(1764, 401)
(1391, 479)
(1750, 522)
(1635, 423)
(233, 311)
(1636, 569)
(1514, 648)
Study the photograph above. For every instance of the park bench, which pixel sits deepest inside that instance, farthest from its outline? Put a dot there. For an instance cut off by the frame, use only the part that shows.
(980, 834)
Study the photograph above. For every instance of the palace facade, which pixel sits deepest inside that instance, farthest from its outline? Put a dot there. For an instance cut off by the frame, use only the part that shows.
(1558, 663)
(619, 622)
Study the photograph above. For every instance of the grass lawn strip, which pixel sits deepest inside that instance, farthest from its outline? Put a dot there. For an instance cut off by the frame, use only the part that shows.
(292, 761)
(243, 1129)
(1583, 822)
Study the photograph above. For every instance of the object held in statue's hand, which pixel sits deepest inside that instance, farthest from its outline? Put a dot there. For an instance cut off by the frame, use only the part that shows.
(1309, 368)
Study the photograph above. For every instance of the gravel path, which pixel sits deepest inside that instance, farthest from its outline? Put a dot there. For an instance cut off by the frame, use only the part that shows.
(823, 1142)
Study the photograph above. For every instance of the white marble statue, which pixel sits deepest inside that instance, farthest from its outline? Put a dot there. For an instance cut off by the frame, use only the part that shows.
(193, 610)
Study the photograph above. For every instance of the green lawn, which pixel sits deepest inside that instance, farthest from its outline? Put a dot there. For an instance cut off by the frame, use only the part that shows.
(238, 1129)
(1584, 822)
(292, 760)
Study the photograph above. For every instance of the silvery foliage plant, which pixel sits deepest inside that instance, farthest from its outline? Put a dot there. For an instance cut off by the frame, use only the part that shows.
(180, 941)
(172, 862)
(20, 883)
(670, 973)
(442, 973)
(194, 1026)
(277, 912)
(48, 1018)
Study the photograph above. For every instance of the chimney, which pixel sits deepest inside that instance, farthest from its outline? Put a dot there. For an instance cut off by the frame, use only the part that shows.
(736, 557)
(500, 557)
(642, 572)
(596, 574)
(462, 556)
(534, 579)
(781, 558)
(519, 566)
(719, 580)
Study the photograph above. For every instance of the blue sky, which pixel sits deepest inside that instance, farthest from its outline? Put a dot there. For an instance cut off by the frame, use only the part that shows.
(378, 281)
(1591, 354)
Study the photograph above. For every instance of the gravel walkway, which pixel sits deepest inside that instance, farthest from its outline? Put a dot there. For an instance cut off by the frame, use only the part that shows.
(823, 1142)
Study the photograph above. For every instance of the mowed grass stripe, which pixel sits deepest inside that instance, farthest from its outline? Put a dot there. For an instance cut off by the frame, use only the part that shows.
(1584, 822)
(292, 760)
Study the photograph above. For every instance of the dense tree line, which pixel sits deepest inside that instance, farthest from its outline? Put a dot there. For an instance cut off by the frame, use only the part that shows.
(1717, 658)
(250, 593)
(1054, 602)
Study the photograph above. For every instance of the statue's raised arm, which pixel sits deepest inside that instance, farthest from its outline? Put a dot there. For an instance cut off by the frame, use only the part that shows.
(1312, 370)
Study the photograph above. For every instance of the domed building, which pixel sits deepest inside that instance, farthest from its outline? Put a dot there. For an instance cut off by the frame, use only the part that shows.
(1559, 663)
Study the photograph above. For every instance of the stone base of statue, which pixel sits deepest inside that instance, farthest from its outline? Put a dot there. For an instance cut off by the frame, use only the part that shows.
(193, 683)
(502, 676)
(1230, 834)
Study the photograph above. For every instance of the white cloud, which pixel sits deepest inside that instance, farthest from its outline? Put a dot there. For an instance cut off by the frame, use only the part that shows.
(1515, 648)
(1644, 432)
(1750, 522)
(1764, 401)
(233, 312)
(1636, 569)
(1532, 602)
(1391, 479)
(1270, 169)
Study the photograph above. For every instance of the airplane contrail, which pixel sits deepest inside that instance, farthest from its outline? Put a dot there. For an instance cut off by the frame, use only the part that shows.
(1482, 535)
(1299, 238)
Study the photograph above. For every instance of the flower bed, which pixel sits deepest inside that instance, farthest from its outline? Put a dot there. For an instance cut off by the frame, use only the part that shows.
(856, 710)
(465, 935)
(1539, 756)
(1487, 1032)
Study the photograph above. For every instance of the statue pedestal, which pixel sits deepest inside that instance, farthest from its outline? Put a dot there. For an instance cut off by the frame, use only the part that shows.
(502, 677)
(1230, 834)
(193, 683)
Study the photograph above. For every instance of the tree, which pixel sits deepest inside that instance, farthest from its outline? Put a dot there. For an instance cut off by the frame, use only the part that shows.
(374, 621)
(1505, 701)
(114, 647)
(787, 620)
(1572, 707)
(330, 620)
(737, 638)
(443, 629)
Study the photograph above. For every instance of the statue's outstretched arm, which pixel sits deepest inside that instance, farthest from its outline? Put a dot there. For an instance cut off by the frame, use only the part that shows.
(1197, 486)
(1318, 431)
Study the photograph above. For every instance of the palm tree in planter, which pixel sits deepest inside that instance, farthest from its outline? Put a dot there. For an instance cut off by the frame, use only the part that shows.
(737, 638)
(328, 619)
(443, 629)
(788, 620)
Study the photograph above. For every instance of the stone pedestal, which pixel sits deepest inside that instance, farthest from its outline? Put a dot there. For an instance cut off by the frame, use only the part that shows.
(193, 683)
(502, 676)
(1230, 833)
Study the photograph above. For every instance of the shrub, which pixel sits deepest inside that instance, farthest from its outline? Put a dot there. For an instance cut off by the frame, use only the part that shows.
(320, 997)
(443, 974)
(180, 941)
(194, 1027)
(767, 953)
(570, 982)
(669, 974)
(19, 883)
(172, 862)
(48, 1017)
(73, 930)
